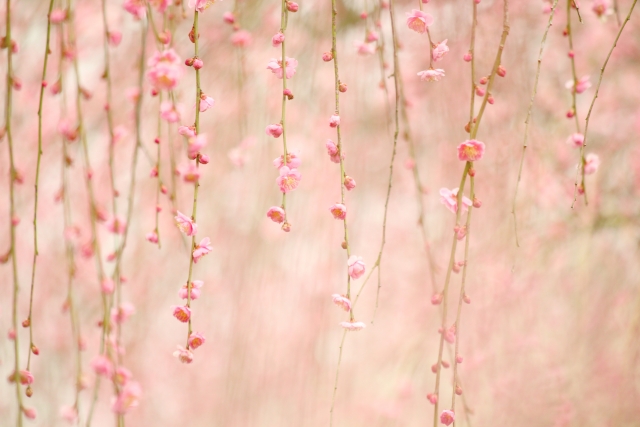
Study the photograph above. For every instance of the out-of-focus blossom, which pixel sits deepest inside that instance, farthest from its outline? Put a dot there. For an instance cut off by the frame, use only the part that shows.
(200, 5)
(576, 139)
(164, 70)
(332, 150)
(356, 266)
(431, 75)
(580, 86)
(440, 50)
(418, 21)
(334, 121)
(293, 161)
(274, 130)
(276, 214)
(128, 398)
(69, 413)
(116, 225)
(195, 290)
(447, 417)
(135, 7)
(277, 39)
(591, 163)
(58, 16)
(184, 355)
(353, 326)
(241, 38)
(206, 102)
(122, 313)
(102, 366)
(168, 112)
(365, 48)
(122, 376)
(275, 65)
(195, 144)
(602, 8)
(341, 301)
(450, 199)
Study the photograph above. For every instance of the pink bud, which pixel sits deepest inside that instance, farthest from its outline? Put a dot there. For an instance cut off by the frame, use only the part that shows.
(466, 299)
(476, 203)
(274, 130)
(501, 71)
(479, 91)
(458, 359)
(483, 80)
(115, 37)
(433, 398)
(203, 158)
(164, 37)
(363, 15)
(467, 57)
(342, 87)
(434, 368)
(292, 6)
(571, 54)
(349, 183)
(570, 114)
(197, 63)
(327, 56)
(229, 18)
(436, 299)
(445, 364)
(189, 62)
(286, 227)
(490, 99)
(277, 39)
(458, 390)
(287, 92)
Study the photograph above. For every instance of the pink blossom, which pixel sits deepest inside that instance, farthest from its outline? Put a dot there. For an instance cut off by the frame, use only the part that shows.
(450, 199)
(165, 69)
(152, 237)
(200, 5)
(591, 163)
(332, 150)
(196, 144)
(274, 130)
(182, 313)
(186, 224)
(576, 139)
(189, 172)
(433, 398)
(372, 36)
(440, 50)
(160, 5)
(431, 75)
(341, 301)
(365, 48)
(195, 290)
(471, 150)
(102, 366)
(277, 39)
(349, 183)
(229, 18)
(276, 214)
(201, 249)
(168, 112)
(447, 417)
(206, 102)
(26, 377)
(69, 413)
(275, 65)
(339, 211)
(356, 266)
(30, 413)
(135, 7)
(128, 398)
(116, 225)
(184, 355)
(293, 161)
(288, 179)
(353, 326)
(418, 21)
(188, 131)
(580, 86)
(241, 38)
(107, 286)
(196, 339)
(602, 8)
(334, 121)
(122, 376)
(57, 16)
(123, 313)
(450, 335)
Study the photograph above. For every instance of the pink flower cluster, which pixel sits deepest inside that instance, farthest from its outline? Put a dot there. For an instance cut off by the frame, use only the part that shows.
(164, 70)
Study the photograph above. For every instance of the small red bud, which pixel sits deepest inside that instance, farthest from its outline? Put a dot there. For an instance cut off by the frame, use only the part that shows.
(292, 6)
(26, 323)
(501, 71)
(342, 87)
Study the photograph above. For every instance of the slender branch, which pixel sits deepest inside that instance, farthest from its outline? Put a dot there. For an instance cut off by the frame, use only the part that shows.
(527, 120)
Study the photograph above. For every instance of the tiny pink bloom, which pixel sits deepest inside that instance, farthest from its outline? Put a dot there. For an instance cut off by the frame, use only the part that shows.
(460, 231)
(102, 366)
(276, 214)
(447, 417)
(196, 144)
(576, 139)
(189, 172)
(349, 183)
(198, 63)
(467, 57)
(200, 5)
(277, 39)
(450, 199)
(436, 299)
(188, 131)
(591, 163)
(29, 413)
(602, 8)
(353, 326)
(152, 237)
(275, 65)
(186, 224)
(431, 75)
(288, 179)
(69, 413)
(334, 121)
(26, 377)
(372, 36)
(196, 339)
(123, 313)
(135, 7)
(122, 376)
(440, 50)
(418, 21)
(116, 225)
(228, 17)
(274, 130)
(241, 38)
(332, 150)
(471, 150)
(195, 290)
(206, 102)
(356, 266)
(57, 16)
(293, 161)
(580, 86)
(115, 37)
(168, 112)
(107, 286)
(450, 335)
(128, 398)
(184, 355)
(182, 313)
(341, 301)
(203, 248)
(365, 48)
(292, 6)
(339, 211)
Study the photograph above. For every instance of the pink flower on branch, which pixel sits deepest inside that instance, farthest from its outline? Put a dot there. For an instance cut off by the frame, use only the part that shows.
(200, 5)
(184, 355)
(341, 301)
(274, 130)
(471, 150)
(449, 198)
(201, 249)
(128, 398)
(576, 139)
(418, 21)
(440, 50)
(580, 85)
(276, 214)
(431, 75)
(195, 290)
(591, 163)
(186, 224)
(447, 417)
(339, 211)
(356, 266)
(289, 179)
(293, 161)
(196, 339)
(353, 326)
(182, 313)
(275, 65)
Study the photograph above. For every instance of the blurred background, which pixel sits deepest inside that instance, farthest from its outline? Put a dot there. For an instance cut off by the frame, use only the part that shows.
(551, 337)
